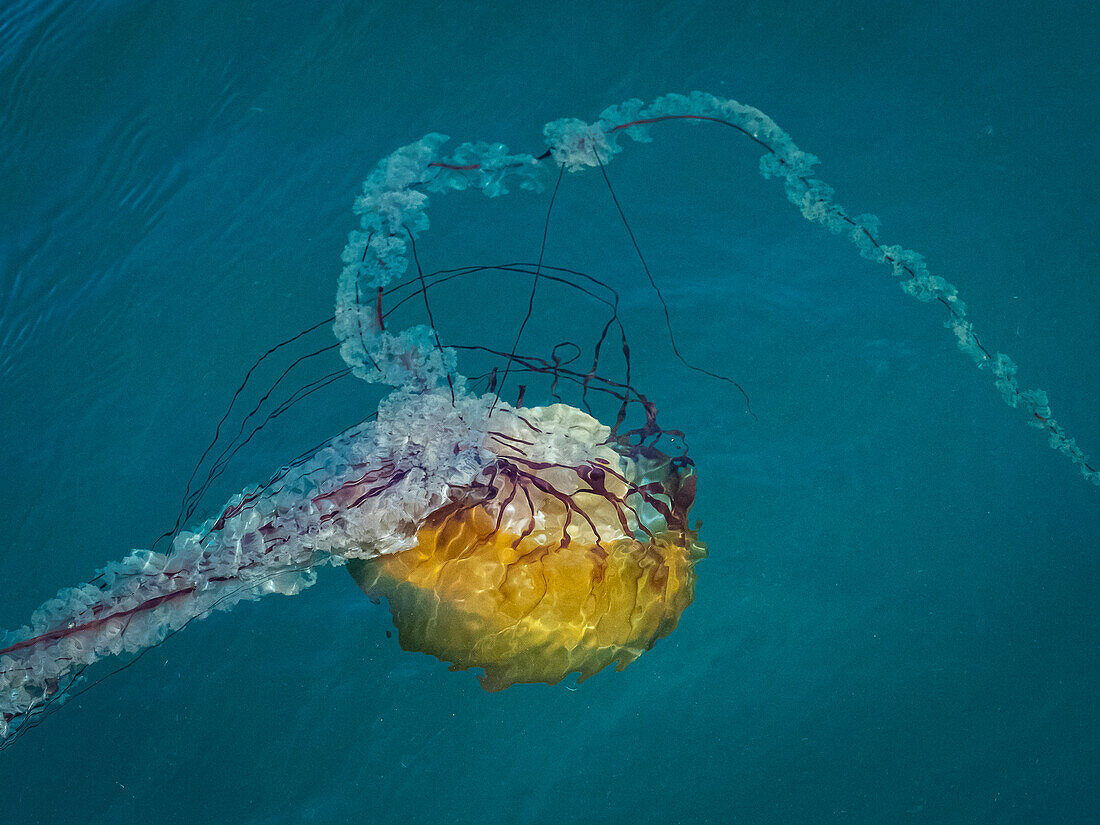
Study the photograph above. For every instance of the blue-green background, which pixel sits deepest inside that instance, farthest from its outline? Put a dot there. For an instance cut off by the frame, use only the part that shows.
(898, 620)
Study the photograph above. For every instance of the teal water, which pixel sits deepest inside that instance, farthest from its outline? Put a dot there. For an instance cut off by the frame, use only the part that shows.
(898, 619)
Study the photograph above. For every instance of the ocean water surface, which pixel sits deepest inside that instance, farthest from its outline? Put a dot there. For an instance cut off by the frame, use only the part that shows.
(898, 618)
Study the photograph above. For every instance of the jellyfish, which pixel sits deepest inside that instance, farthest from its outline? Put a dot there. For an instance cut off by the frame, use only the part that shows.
(527, 542)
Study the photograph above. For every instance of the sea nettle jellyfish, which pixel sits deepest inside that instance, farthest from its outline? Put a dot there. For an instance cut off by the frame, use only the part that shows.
(529, 542)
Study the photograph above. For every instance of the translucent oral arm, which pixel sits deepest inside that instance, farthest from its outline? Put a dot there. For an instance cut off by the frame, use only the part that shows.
(392, 212)
(134, 604)
(393, 206)
(362, 495)
(576, 145)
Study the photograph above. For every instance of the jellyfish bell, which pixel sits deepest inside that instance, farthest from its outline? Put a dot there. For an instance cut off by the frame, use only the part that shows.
(568, 553)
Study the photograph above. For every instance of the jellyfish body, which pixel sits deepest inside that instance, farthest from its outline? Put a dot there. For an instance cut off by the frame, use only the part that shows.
(529, 542)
